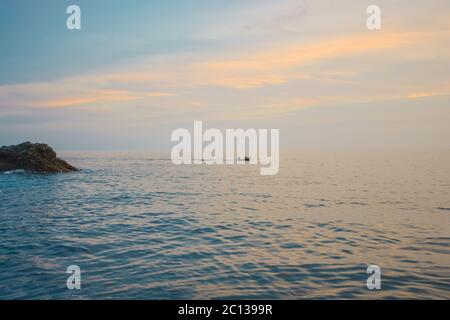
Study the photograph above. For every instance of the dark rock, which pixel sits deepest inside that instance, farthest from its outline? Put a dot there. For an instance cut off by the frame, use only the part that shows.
(34, 157)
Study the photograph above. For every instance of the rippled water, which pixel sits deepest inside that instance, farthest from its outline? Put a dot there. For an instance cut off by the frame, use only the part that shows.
(140, 227)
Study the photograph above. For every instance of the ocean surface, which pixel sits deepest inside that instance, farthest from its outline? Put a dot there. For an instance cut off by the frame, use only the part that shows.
(140, 227)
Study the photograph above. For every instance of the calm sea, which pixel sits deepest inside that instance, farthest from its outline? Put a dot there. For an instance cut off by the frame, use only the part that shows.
(140, 227)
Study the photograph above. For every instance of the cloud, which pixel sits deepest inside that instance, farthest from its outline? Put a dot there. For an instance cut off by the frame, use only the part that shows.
(159, 94)
(103, 96)
(421, 95)
(190, 81)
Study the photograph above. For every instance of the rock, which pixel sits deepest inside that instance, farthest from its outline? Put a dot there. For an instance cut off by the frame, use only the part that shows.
(34, 157)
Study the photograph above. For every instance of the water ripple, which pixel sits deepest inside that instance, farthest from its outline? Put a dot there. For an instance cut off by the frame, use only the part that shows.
(142, 228)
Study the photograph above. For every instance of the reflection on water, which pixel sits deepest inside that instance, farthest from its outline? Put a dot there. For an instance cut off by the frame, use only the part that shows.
(142, 228)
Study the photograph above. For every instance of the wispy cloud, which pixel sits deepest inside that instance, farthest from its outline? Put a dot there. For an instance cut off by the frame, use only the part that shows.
(159, 94)
(248, 61)
(186, 81)
(104, 96)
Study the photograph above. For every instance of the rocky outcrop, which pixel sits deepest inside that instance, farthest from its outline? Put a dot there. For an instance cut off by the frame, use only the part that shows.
(33, 157)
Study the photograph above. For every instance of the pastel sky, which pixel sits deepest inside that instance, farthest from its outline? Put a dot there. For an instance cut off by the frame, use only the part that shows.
(139, 69)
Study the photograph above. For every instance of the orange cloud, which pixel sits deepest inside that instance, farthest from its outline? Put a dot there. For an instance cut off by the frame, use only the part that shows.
(244, 82)
(298, 55)
(241, 70)
(420, 95)
(101, 96)
(158, 94)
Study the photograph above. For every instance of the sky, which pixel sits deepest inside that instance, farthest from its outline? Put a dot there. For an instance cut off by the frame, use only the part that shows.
(137, 70)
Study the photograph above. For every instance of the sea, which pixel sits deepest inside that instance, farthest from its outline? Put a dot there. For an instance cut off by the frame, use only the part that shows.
(140, 227)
